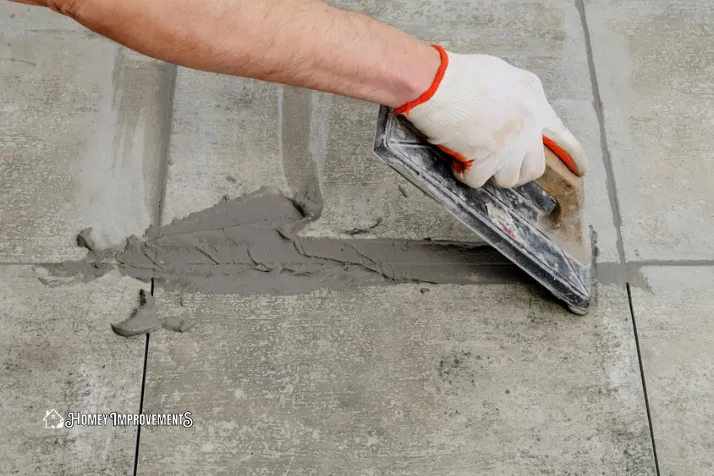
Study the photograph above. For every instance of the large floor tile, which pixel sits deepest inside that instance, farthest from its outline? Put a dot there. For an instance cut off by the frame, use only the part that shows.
(231, 136)
(676, 332)
(458, 380)
(546, 37)
(57, 351)
(225, 140)
(82, 126)
(654, 64)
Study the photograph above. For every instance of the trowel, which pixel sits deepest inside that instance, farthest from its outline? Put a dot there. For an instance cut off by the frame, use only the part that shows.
(539, 226)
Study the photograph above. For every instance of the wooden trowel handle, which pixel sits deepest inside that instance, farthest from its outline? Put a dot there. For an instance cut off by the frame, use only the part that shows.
(560, 181)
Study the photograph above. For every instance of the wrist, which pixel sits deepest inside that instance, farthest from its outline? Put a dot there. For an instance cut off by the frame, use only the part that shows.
(416, 82)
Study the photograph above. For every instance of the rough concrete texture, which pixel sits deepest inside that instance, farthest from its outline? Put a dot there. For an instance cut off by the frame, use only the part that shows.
(544, 36)
(655, 77)
(81, 121)
(460, 380)
(360, 190)
(247, 134)
(57, 351)
(550, 44)
(676, 333)
(408, 379)
(225, 140)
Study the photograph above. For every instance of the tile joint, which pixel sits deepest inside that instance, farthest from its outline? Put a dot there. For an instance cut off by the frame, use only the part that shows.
(614, 203)
(644, 382)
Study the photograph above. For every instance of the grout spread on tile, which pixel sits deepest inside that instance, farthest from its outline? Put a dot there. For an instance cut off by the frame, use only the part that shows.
(251, 245)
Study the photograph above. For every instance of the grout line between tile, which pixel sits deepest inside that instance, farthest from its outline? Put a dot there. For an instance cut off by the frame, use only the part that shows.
(636, 264)
(599, 111)
(665, 263)
(644, 382)
(168, 102)
(141, 395)
(615, 204)
(141, 403)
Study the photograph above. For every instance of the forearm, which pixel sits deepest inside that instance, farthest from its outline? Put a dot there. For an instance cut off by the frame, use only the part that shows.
(304, 43)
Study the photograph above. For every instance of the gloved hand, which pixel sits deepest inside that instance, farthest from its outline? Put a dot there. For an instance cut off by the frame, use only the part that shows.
(493, 118)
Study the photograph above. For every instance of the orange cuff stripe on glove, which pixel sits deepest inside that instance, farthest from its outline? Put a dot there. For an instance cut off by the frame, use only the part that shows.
(491, 120)
(460, 163)
(432, 89)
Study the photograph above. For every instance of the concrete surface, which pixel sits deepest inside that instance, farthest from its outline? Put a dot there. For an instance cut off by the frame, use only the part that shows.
(460, 380)
(245, 134)
(358, 189)
(225, 140)
(57, 352)
(457, 380)
(677, 340)
(230, 136)
(655, 78)
(543, 36)
(81, 122)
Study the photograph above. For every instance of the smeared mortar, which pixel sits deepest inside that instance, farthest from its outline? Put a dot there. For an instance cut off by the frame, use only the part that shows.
(251, 245)
(145, 320)
(622, 274)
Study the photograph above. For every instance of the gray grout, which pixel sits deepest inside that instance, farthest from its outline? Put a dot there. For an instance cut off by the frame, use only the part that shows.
(637, 264)
(665, 263)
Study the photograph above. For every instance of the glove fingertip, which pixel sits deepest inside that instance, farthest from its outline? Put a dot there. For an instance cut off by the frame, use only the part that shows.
(468, 178)
(533, 166)
(508, 176)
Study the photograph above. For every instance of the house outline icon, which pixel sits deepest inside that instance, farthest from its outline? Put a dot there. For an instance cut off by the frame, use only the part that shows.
(53, 419)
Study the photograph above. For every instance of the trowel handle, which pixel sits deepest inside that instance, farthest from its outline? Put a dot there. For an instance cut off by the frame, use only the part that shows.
(560, 180)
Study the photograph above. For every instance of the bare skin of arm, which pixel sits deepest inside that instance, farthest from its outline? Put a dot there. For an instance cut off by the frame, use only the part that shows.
(304, 43)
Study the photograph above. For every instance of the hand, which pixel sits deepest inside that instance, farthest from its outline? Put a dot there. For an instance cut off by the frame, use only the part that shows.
(492, 118)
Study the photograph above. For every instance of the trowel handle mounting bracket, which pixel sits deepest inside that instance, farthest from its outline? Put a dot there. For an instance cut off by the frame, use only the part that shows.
(563, 185)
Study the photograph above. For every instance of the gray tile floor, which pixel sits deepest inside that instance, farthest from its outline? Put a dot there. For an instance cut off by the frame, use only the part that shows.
(460, 380)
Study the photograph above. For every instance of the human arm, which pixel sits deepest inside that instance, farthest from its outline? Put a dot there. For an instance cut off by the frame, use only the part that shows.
(304, 43)
(487, 113)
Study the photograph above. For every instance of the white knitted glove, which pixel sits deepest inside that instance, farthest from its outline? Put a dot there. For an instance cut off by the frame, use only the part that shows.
(493, 118)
